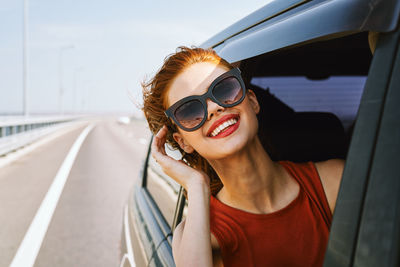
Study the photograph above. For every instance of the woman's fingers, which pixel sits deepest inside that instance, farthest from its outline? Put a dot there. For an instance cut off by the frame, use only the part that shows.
(159, 140)
(161, 137)
(176, 169)
(158, 149)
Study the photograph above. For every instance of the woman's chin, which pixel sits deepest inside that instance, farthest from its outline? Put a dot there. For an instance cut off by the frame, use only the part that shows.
(226, 149)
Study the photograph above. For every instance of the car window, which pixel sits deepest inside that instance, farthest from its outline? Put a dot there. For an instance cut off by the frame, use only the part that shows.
(162, 188)
(309, 97)
(339, 95)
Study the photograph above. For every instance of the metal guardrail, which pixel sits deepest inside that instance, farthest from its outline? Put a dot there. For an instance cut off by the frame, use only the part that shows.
(16, 132)
(11, 126)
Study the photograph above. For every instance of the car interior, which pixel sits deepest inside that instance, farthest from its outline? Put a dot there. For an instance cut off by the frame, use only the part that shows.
(309, 96)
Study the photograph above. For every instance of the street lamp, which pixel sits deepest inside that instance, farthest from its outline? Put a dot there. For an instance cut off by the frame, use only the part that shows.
(60, 74)
(25, 60)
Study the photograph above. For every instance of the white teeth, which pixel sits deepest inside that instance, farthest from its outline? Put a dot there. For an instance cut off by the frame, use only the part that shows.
(223, 126)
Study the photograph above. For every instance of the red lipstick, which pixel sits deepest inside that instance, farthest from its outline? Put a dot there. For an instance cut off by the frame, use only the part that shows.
(227, 131)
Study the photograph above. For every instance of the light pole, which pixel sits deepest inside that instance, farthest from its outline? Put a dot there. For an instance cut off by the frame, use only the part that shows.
(25, 60)
(60, 74)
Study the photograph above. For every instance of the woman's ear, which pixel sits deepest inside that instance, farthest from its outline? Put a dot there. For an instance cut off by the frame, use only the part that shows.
(253, 101)
(182, 143)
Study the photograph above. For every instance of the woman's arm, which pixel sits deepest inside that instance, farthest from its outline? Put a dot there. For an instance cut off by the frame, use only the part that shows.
(191, 243)
(216, 250)
(192, 239)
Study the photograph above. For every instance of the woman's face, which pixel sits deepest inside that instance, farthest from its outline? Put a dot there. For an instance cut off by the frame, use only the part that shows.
(195, 80)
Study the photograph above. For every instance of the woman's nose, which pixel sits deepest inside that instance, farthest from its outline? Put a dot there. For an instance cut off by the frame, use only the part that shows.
(213, 108)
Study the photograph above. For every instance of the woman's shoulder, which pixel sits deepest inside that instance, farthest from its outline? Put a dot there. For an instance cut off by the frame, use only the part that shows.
(330, 173)
(214, 242)
(331, 166)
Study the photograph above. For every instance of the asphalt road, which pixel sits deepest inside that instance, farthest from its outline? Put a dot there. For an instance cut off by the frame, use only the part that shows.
(86, 227)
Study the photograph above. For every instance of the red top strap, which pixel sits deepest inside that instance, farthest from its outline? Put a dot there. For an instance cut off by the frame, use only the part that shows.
(296, 235)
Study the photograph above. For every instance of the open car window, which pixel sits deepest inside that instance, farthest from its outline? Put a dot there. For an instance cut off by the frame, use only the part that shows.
(339, 95)
(309, 97)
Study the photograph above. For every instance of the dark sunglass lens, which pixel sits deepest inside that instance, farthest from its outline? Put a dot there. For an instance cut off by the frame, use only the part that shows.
(228, 91)
(190, 114)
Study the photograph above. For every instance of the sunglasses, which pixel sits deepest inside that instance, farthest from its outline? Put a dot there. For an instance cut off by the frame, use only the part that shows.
(190, 113)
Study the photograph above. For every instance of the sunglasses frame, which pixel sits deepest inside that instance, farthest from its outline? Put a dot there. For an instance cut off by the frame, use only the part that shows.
(235, 72)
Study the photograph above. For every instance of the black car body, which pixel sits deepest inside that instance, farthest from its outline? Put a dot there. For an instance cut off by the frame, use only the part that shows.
(323, 95)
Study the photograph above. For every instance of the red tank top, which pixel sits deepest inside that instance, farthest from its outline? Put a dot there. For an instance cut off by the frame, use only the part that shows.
(296, 235)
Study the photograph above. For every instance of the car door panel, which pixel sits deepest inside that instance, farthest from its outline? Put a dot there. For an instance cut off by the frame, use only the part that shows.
(349, 207)
(163, 257)
(150, 232)
(378, 238)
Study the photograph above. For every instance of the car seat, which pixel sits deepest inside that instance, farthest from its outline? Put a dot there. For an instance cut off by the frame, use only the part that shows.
(298, 136)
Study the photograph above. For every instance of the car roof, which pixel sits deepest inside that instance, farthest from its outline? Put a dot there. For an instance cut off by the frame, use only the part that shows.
(284, 23)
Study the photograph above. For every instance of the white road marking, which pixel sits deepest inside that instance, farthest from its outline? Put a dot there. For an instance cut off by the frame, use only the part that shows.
(129, 253)
(30, 246)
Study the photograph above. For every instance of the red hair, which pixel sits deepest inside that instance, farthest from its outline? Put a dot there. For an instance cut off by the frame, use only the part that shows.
(155, 101)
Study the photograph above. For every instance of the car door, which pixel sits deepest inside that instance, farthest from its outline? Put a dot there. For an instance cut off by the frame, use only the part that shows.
(149, 215)
(153, 204)
(365, 229)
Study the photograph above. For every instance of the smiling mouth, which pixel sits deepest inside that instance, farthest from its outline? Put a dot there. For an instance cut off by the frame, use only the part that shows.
(223, 127)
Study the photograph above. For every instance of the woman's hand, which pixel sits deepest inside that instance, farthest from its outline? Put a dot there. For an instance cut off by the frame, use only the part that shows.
(197, 224)
(176, 169)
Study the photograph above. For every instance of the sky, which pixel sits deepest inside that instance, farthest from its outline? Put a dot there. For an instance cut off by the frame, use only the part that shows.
(90, 55)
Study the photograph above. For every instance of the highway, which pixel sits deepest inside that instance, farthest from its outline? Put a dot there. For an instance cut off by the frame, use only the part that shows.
(86, 226)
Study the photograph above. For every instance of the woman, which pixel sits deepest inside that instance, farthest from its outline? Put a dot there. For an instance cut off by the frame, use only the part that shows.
(243, 208)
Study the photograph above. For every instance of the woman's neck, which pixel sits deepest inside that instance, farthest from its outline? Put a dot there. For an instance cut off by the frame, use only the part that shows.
(252, 181)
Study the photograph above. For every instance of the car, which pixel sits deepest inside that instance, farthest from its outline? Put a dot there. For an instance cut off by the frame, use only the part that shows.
(327, 76)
